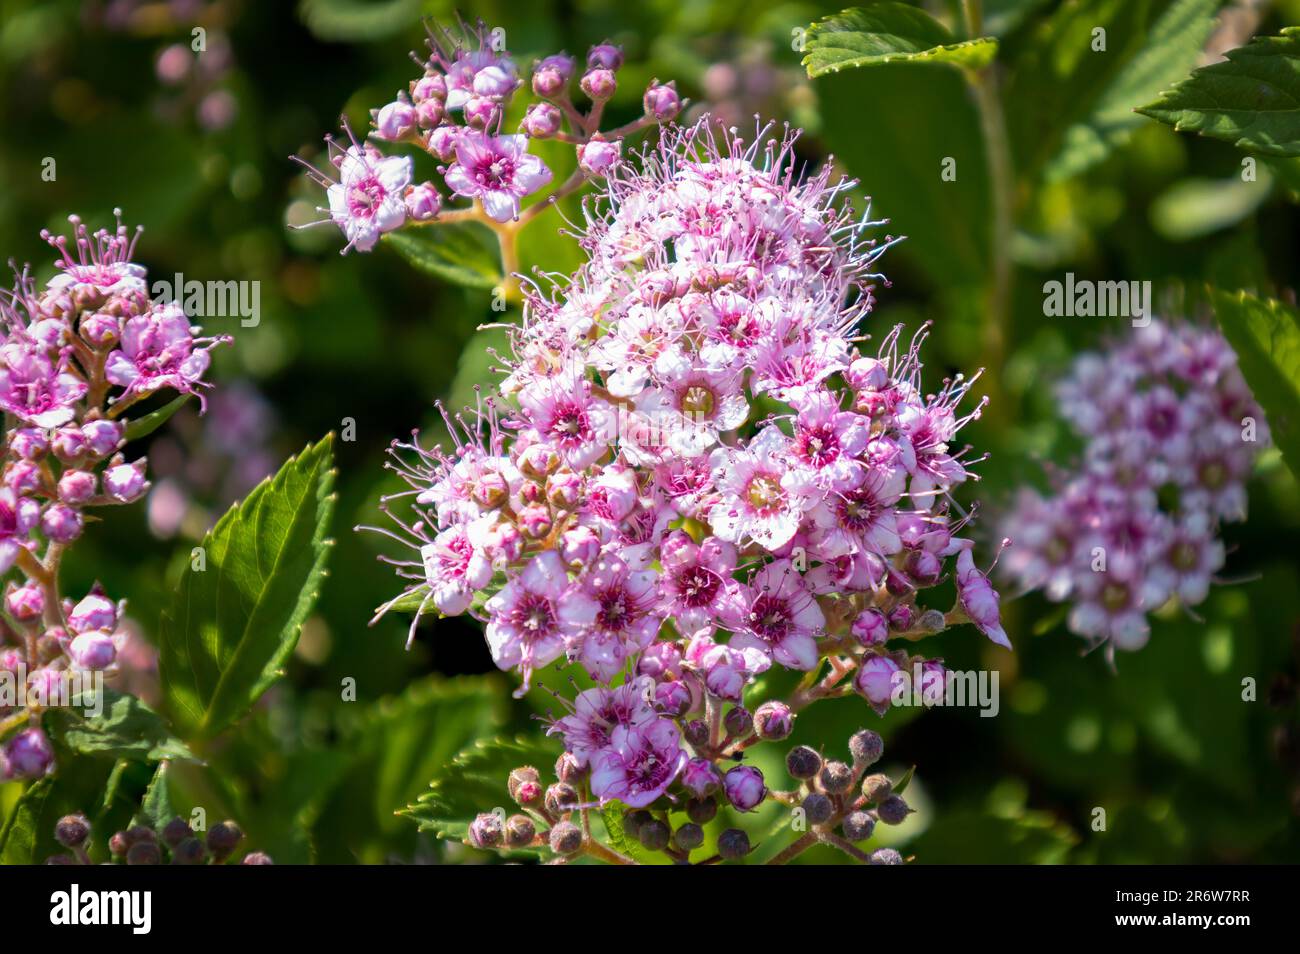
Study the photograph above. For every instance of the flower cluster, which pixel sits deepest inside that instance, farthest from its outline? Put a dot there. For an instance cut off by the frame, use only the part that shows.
(74, 356)
(1170, 431)
(693, 474)
(833, 803)
(456, 112)
(141, 845)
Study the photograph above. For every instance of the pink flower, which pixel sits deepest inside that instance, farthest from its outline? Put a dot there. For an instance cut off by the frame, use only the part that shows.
(864, 518)
(454, 568)
(979, 599)
(626, 621)
(36, 389)
(589, 728)
(369, 198)
(782, 619)
(566, 417)
(496, 170)
(875, 680)
(640, 763)
(696, 586)
(159, 350)
(103, 263)
(18, 516)
(535, 615)
(759, 498)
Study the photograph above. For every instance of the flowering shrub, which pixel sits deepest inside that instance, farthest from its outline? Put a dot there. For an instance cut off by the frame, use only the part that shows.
(693, 473)
(1170, 431)
(75, 356)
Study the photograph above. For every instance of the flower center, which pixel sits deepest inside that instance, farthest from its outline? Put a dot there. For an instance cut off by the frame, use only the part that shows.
(764, 493)
(770, 618)
(698, 400)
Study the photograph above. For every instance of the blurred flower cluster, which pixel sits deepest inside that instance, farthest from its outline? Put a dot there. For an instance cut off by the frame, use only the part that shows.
(75, 356)
(142, 845)
(692, 473)
(456, 112)
(1170, 432)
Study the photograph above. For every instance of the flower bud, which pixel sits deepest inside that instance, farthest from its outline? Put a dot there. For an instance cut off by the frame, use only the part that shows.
(100, 330)
(222, 839)
(599, 84)
(564, 490)
(598, 156)
(902, 616)
(673, 697)
(867, 374)
(858, 826)
(688, 836)
(534, 521)
(701, 810)
(579, 546)
(661, 101)
(876, 788)
(696, 733)
(653, 835)
(29, 754)
(803, 762)
(875, 679)
(886, 856)
(26, 602)
(430, 113)
(103, 437)
(395, 121)
(605, 56)
(569, 770)
(486, 831)
(189, 851)
(423, 202)
(76, 486)
(566, 838)
(733, 843)
(524, 785)
(175, 832)
(29, 443)
(494, 81)
(520, 831)
(442, 142)
(835, 777)
(95, 611)
(701, 777)
(429, 87)
(72, 830)
(542, 121)
(870, 627)
(923, 567)
(551, 75)
(744, 787)
(125, 482)
(773, 721)
(93, 650)
(481, 112)
(68, 444)
(257, 858)
(866, 747)
(561, 798)
(144, 853)
(817, 808)
(24, 477)
(893, 810)
(737, 721)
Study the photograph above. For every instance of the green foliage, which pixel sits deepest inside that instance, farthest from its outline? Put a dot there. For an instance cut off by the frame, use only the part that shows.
(1266, 336)
(1252, 99)
(126, 728)
(463, 254)
(147, 424)
(234, 622)
(475, 781)
(888, 32)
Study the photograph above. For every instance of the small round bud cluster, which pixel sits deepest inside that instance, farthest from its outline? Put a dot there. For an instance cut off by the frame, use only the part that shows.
(456, 112)
(177, 843)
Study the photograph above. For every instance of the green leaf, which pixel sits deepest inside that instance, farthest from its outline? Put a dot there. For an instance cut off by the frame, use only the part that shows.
(233, 623)
(144, 426)
(1061, 77)
(1266, 336)
(1172, 48)
(354, 21)
(461, 253)
(1191, 208)
(25, 827)
(1251, 99)
(156, 809)
(888, 32)
(125, 728)
(946, 221)
(474, 782)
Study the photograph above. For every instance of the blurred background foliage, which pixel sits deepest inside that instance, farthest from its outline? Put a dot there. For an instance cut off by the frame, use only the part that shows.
(196, 148)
